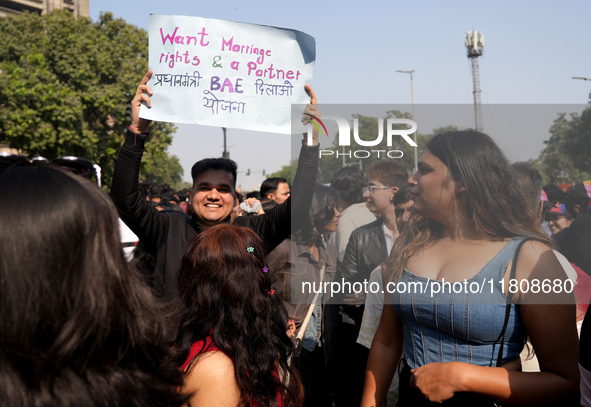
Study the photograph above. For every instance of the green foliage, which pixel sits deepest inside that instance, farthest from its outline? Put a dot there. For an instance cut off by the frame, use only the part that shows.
(285, 172)
(183, 185)
(65, 84)
(568, 148)
(160, 168)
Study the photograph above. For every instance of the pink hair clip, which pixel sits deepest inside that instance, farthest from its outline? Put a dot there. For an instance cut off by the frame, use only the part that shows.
(271, 292)
(265, 269)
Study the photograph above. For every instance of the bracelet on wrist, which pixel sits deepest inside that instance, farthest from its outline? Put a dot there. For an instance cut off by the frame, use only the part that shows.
(145, 133)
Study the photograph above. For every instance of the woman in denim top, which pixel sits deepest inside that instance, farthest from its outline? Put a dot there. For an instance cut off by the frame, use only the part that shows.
(469, 217)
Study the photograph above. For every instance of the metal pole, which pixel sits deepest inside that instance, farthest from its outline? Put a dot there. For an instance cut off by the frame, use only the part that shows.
(475, 45)
(585, 79)
(352, 129)
(412, 89)
(477, 101)
(225, 154)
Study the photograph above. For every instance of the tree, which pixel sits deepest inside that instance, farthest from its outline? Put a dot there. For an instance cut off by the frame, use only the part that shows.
(160, 168)
(580, 141)
(285, 171)
(568, 147)
(65, 84)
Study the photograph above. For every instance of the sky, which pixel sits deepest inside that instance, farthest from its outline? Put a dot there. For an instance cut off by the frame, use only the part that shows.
(532, 50)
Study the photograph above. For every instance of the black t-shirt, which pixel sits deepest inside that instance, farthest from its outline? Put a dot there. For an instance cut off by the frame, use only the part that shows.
(574, 242)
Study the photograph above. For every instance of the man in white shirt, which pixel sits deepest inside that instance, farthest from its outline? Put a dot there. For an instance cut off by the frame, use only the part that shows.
(349, 183)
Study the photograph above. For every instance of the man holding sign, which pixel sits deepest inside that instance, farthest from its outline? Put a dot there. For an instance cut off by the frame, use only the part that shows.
(167, 234)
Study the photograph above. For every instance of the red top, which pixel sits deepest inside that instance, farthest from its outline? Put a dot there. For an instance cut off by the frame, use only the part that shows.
(582, 292)
(198, 348)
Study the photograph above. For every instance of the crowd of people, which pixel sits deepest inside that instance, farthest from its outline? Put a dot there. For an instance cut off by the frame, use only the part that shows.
(214, 311)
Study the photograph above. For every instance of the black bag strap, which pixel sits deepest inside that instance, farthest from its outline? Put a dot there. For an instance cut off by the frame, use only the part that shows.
(509, 301)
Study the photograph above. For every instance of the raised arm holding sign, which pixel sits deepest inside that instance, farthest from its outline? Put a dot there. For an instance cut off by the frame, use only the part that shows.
(142, 94)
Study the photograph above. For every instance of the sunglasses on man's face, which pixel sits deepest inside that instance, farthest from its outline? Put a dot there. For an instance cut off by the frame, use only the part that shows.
(373, 188)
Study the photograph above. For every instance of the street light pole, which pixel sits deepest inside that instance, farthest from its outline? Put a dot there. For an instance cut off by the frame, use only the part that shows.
(225, 154)
(412, 89)
(585, 79)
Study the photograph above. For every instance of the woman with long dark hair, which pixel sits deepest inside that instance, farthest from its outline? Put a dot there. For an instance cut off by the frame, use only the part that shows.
(232, 340)
(77, 326)
(459, 343)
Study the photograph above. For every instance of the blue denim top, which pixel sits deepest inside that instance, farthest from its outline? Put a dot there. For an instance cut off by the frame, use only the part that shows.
(464, 325)
(314, 328)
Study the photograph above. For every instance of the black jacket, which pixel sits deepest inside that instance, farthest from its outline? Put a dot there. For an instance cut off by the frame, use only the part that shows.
(574, 242)
(166, 235)
(365, 251)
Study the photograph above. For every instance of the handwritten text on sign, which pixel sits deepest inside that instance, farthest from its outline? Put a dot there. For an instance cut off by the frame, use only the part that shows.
(227, 74)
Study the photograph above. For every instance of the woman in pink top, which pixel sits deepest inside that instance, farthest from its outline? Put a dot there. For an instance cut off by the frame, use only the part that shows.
(232, 340)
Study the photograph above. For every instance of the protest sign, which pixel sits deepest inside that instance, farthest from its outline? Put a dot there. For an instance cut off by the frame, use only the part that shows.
(227, 74)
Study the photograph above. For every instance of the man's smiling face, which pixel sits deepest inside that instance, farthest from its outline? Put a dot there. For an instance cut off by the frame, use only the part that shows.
(213, 196)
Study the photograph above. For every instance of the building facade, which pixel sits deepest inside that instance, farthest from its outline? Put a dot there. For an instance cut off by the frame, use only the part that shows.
(77, 7)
